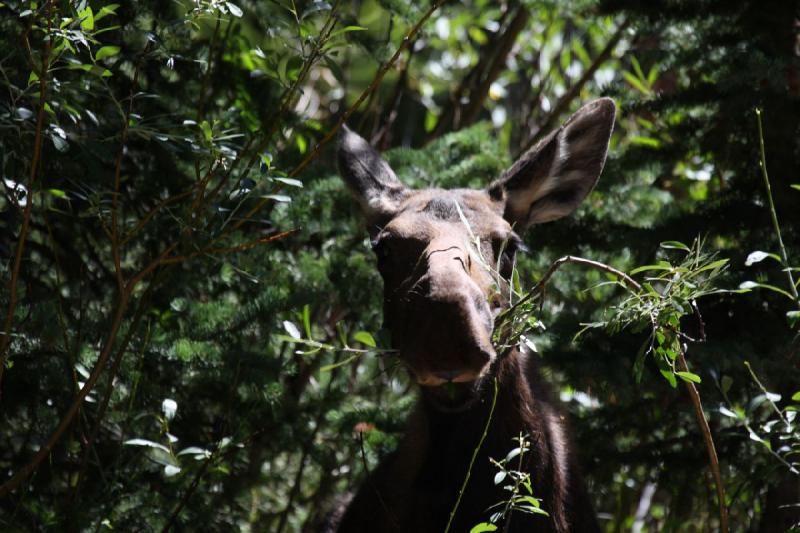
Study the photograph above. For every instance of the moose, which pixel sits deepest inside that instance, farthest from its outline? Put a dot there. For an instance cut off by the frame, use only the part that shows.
(440, 302)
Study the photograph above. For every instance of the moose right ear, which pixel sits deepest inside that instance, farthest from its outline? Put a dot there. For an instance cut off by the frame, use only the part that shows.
(552, 178)
(369, 178)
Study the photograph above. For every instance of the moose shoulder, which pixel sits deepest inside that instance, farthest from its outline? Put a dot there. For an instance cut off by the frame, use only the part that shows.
(440, 300)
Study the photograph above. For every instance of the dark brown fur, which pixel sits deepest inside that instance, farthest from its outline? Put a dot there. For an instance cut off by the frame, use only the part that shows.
(441, 293)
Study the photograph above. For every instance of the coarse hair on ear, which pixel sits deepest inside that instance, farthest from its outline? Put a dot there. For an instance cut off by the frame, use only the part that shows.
(368, 177)
(551, 179)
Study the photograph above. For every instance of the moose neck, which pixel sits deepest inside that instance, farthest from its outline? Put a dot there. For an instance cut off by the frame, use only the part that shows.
(456, 420)
(440, 443)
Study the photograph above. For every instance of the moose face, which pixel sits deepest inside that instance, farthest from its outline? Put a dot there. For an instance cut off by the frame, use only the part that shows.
(445, 256)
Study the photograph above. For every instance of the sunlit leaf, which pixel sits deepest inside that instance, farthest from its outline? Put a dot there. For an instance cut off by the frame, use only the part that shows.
(758, 256)
(364, 338)
(87, 19)
(235, 10)
(106, 51)
(292, 330)
(689, 376)
(146, 443)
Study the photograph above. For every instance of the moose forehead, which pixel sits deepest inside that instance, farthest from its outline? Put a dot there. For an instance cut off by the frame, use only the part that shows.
(426, 213)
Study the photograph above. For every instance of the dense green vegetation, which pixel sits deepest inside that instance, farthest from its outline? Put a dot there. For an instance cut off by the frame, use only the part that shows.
(191, 315)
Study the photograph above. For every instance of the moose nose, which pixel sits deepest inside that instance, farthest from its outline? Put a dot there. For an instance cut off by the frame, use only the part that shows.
(473, 367)
(448, 375)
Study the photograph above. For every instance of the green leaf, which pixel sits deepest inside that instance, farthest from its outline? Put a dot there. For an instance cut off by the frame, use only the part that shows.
(753, 285)
(146, 443)
(61, 144)
(307, 320)
(670, 376)
(290, 181)
(637, 68)
(87, 19)
(109, 9)
(645, 141)
(235, 10)
(292, 330)
(478, 35)
(688, 376)
(483, 526)
(529, 499)
(580, 51)
(795, 186)
(758, 256)
(348, 29)
(652, 76)
(646, 268)
(796, 396)
(674, 245)
(726, 383)
(711, 266)
(365, 338)
(282, 198)
(208, 133)
(328, 368)
(106, 51)
(635, 82)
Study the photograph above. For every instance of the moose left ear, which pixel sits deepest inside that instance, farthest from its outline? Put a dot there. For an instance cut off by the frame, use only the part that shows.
(370, 179)
(551, 179)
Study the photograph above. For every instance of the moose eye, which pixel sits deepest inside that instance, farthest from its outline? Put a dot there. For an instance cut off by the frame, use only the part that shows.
(505, 250)
(382, 248)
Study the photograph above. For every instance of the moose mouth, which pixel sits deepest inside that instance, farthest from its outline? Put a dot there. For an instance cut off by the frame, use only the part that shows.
(436, 379)
(456, 397)
(469, 369)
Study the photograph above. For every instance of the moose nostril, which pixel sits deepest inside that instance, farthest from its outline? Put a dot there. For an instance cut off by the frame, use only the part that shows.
(463, 265)
(448, 375)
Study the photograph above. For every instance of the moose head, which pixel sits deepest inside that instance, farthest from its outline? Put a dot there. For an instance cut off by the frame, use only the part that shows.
(445, 254)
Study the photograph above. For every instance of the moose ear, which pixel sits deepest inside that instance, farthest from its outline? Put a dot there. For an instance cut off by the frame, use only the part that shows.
(369, 178)
(551, 179)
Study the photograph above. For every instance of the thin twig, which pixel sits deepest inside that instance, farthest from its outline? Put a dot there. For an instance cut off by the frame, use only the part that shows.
(5, 335)
(154, 211)
(776, 226)
(188, 494)
(702, 422)
(115, 243)
(472, 460)
(115, 365)
(540, 287)
(66, 420)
